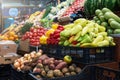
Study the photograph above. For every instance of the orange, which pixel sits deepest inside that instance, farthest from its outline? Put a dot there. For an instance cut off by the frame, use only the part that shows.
(11, 38)
(5, 38)
(16, 36)
(11, 33)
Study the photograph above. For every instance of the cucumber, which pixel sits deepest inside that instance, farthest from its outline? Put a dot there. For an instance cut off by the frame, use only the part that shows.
(117, 31)
(115, 25)
(109, 15)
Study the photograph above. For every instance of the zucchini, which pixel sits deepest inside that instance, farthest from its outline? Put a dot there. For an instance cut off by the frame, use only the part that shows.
(105, 24)
(109, 15)
(117, 31)
(102, 18)
(104, 10)
(95, 18)
(109, 20)
(115, 25)
(97, 12)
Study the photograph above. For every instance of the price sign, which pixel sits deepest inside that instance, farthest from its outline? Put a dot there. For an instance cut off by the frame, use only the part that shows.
(13, 12)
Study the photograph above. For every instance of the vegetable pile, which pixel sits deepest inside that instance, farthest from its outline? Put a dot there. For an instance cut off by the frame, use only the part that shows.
(44, 66)
(85, 33)
(108, 19)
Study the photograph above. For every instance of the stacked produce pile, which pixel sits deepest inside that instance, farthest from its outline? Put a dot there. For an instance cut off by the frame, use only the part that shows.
(91, 5)
(44, 66)
(85, 33)
(59, 9)
(77, 5)
(34, 35)
(108, 19)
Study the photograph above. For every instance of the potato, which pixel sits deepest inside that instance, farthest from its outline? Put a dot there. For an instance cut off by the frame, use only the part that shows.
(33, 64)
(56, 62)
(39, 65)
(73, 73)
(26, 68)
(39, 61)
(78, 69)
(58, 73)
(50, 74)
(74, 65)
(65, 70)
(36, 70)
(61, 65)
(71, 68)
(43, 73)
(43, 57)
(38, 76)
(46, 68)
(52, 66)
(48, 61)
(67, 74)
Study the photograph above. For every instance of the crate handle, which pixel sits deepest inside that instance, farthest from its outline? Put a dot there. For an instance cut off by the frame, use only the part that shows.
(8, 59)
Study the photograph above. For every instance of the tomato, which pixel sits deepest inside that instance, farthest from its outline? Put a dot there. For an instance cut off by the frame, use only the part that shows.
(35, 30)
(38, 30)
(40, 34)
(34, 34)
(31, 29)
(32, 40)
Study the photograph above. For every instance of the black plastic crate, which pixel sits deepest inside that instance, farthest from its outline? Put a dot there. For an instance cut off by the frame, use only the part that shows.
(5, 72)
(83, 75)
(82, 55)
(102, 73)
(18, 75)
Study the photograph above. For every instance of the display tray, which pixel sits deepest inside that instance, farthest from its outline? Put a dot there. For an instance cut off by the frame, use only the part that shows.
(82, 55)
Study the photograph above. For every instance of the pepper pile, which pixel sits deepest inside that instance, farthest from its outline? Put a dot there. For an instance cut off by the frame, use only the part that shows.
(85, 33)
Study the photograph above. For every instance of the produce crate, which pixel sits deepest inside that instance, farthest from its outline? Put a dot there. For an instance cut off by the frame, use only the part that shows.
(89, 73)
(106, 71)
(18, 75)
(116, 38)
(5, 72)
(82, 55)
(83, 75)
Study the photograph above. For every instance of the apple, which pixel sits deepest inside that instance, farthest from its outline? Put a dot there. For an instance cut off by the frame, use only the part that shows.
(67, 59)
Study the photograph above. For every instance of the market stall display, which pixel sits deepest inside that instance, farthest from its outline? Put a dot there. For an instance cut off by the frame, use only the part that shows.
(70, 41)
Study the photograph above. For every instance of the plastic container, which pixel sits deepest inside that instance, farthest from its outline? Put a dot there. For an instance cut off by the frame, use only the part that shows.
(89, 73)
(5, 72)
(82, 55)
(83, 75)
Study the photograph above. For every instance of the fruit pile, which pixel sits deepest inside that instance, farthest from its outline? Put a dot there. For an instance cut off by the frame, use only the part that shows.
(44, 66)
(34, 35)
(108, 19)
(10, 36)
(85, 33)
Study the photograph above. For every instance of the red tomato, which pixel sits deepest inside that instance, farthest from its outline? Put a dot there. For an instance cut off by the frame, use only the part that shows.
(31, 29)
(34, 34)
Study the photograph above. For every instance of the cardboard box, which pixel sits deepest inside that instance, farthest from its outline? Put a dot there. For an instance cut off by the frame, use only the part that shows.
(9, 58)
(7, 47)
(24, 45)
